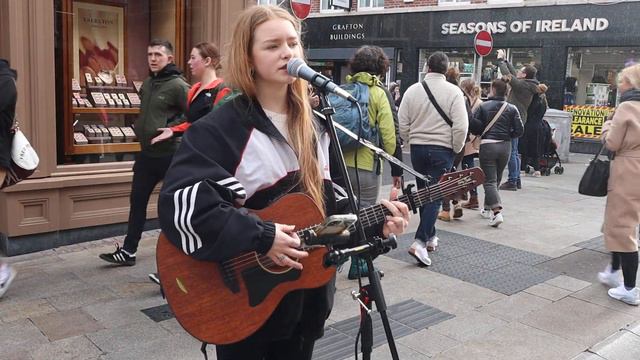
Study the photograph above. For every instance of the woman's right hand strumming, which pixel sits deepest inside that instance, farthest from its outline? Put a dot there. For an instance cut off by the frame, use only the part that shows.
(285, 246)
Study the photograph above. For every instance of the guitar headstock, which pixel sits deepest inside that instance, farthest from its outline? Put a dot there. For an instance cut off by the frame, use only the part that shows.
(459, 182)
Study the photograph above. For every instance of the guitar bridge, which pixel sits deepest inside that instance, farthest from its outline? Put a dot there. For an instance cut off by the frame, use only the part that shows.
(229, 279)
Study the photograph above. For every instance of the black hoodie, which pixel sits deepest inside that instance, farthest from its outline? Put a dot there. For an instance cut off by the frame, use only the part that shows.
(8, 98)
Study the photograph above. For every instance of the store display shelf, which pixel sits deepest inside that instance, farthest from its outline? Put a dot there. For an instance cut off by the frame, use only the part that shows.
(105, 148)
(101, 110)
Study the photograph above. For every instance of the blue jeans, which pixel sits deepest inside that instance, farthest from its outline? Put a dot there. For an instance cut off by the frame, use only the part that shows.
(432, 161)
(514, 162)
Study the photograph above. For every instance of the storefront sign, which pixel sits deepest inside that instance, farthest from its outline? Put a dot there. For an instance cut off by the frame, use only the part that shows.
(301, 8)
(527, 26)
(352, 31)
(587, 120)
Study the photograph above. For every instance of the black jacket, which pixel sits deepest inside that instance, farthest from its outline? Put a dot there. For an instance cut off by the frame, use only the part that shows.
(508, 126)
(8, 98)
(221, 169)
(163, 103)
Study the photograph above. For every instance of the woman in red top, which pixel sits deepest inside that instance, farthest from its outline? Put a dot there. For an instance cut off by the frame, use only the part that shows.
(201, 99)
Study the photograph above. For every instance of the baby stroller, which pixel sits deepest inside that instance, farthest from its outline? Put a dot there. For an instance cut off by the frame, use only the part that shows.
(550, 160)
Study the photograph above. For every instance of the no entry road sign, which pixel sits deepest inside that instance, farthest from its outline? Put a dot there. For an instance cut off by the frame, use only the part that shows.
(301, 8)
(483, 43)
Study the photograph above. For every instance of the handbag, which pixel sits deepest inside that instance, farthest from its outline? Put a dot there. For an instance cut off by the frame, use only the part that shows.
(477, 140)
(24, 159)
(595, 178)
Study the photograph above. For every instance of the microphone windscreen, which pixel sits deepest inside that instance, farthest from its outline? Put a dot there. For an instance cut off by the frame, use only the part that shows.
(294, 65)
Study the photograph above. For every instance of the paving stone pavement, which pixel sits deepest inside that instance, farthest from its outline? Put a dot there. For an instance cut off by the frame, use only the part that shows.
(67, 304)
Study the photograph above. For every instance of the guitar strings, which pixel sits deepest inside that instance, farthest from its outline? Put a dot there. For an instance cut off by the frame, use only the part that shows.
(445, 190)
(439, 190)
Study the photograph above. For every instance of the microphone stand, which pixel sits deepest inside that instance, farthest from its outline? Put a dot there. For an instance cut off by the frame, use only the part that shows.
(374, 291)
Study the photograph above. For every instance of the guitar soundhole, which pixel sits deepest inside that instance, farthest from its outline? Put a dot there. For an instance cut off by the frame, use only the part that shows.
(268, 265)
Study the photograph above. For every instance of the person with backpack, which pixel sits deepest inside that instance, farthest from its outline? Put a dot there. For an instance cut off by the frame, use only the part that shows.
(364, 168)
(496, 122)
(433, 121)
(535, 139)
(204, 95)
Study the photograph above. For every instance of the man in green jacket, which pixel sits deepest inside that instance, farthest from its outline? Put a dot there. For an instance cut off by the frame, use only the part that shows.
(163, 103)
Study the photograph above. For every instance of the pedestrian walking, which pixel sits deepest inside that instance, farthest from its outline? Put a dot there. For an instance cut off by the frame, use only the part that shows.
(363, 165)
(621, 135)
(8, 101)
(163, 104)
(471, 91)
(496, 122)
(204, 95)
(435, 127)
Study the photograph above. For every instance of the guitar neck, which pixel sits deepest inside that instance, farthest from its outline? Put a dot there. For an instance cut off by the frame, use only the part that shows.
(377, 214)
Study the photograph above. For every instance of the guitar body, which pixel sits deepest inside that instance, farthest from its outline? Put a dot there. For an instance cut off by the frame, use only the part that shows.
(223, 305)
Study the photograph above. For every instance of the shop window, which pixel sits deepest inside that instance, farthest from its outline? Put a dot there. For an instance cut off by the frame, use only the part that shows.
(591, 77)
(325, 6)
(364, 4)
(466, 61)
(101, 62)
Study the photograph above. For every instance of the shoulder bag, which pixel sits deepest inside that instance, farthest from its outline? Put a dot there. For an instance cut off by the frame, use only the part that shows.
(435, 103)
(476, 141)
(596, 177)
(24, 159)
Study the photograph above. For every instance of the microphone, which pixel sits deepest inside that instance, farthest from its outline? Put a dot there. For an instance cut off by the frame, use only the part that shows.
(297, 68)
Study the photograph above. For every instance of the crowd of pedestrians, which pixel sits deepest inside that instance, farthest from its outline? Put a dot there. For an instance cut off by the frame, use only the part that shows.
(439, 119)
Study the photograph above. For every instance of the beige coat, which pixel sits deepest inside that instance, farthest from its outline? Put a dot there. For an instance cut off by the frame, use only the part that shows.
(622, 214)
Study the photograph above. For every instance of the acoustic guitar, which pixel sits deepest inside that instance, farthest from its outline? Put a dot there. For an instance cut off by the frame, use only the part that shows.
(223, 303)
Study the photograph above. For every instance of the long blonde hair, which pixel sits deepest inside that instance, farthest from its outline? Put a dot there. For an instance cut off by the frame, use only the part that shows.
(300, 124)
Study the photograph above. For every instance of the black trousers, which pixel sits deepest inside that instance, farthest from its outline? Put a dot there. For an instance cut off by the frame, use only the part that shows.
(147, 173)
(256, 348)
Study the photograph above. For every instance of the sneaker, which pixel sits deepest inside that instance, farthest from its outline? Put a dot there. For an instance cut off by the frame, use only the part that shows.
(444, 216)
(119, 257)
(509, 186)
(432, 244)
(7, 274)
(631, 297)
(518, 184)
(485, 213)
(610, 278)
(537, 174)
(155, 278)
(495, 220)
(457, 211)
(419, 251)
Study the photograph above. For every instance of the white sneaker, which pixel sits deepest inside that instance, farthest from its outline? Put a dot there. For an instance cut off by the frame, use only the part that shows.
(631, 297)
(432, 244)
(610, 278)
(485, 213)
(419, 251)
(496, 219)
(7, 276)
(536, 174)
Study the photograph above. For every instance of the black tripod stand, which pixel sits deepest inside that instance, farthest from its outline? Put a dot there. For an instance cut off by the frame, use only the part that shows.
(374, 288)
